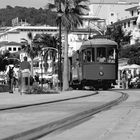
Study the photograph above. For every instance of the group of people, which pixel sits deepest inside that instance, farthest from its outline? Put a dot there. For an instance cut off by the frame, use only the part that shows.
(102, 59)
(14, 78)
(22, 79)
(129, 81)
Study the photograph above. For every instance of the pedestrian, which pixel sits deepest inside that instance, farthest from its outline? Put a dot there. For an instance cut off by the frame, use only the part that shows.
(129, 76)
(37, 78)
(124, 80)
(55, 81)
(25, 65)
(25, 68)
(10, 75)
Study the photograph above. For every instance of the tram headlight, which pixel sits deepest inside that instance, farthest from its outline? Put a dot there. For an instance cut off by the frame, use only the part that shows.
(101, 73)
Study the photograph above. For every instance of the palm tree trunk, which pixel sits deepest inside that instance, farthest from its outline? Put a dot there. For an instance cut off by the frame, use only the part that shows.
(65, 70)
(32, 67)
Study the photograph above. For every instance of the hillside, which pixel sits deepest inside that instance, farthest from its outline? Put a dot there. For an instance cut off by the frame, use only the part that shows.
(31, 15)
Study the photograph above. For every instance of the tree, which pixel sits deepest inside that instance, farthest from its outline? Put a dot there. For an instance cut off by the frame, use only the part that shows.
(3, 60)
(31, 48)
(117, 34)
(31, 15)
(48, 44)
(132, 52)
(71, 18)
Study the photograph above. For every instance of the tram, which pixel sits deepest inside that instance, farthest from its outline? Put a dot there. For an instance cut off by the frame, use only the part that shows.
(95, 64)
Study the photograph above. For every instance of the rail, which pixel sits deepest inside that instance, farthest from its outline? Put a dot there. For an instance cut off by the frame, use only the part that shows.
(46, 129)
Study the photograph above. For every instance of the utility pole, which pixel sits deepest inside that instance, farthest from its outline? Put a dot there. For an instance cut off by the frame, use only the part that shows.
(59, 13)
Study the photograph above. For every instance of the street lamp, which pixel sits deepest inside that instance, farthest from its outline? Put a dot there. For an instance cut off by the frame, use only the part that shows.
(42, 70)
(59, 14)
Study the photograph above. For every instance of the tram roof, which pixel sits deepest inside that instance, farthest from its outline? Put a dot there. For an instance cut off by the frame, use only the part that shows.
(95, 42)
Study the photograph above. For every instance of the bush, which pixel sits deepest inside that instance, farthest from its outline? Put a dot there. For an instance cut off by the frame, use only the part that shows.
(36, 89)
(4, 88)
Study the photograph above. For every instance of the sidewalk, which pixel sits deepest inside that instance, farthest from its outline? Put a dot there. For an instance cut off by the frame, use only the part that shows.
(8, 100)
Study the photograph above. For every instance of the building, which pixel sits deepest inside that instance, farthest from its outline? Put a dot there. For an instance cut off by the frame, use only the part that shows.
(129, 24)
(18, 32)
(10, 46)
(11, 37)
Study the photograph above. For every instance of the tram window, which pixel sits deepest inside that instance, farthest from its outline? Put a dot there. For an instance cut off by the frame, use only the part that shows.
(87, 55)
(101, 54)
(111, 55)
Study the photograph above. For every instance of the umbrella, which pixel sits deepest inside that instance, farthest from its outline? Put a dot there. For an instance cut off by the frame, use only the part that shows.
(134, 66)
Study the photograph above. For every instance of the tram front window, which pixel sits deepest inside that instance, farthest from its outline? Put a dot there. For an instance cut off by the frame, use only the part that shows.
(101, 55)
(88, 55)
(111, 55)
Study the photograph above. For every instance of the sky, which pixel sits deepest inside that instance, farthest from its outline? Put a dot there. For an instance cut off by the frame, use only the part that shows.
(101, 10)
(26, 3)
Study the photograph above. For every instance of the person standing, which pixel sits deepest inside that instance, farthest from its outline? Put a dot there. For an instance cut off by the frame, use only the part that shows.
(124, 80)
(129, 76)
(37, 78)
(10, 74)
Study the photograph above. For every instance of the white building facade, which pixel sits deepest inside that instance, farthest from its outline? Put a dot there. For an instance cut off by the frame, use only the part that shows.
(10, 39)
(129, 24)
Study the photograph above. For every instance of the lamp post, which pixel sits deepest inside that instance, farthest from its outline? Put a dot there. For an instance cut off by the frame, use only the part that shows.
(42, 70)
(60, 13)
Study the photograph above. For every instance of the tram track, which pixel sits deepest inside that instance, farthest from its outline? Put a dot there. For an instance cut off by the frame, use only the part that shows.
(46, 129)
(44, 102)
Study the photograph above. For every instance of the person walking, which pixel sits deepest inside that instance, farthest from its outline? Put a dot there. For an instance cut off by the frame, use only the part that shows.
(25, 68)
(25, 65)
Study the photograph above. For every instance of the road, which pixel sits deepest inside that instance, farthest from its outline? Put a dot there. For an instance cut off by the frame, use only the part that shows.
(121, 122)
(20, 120)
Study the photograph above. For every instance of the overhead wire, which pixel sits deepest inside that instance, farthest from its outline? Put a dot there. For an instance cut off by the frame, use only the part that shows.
(99, 8)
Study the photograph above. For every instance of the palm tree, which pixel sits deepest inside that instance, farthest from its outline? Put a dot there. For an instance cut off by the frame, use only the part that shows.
(48, 45)
(31, 48)
(70, 19)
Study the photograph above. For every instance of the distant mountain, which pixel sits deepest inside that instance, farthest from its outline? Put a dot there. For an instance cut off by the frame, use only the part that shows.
(31, 15)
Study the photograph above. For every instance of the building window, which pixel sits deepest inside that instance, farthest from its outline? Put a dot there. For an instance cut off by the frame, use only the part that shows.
(88, 55)
(19, 49)
(14, 49)
(132, 13)
(134, 22)
(124, 25)
(112, 14)
(9, 48)
(129, 24)
(138, 12)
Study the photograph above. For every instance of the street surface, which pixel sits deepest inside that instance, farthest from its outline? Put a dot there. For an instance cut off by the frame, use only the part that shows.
(121, 122)
(19, 120)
